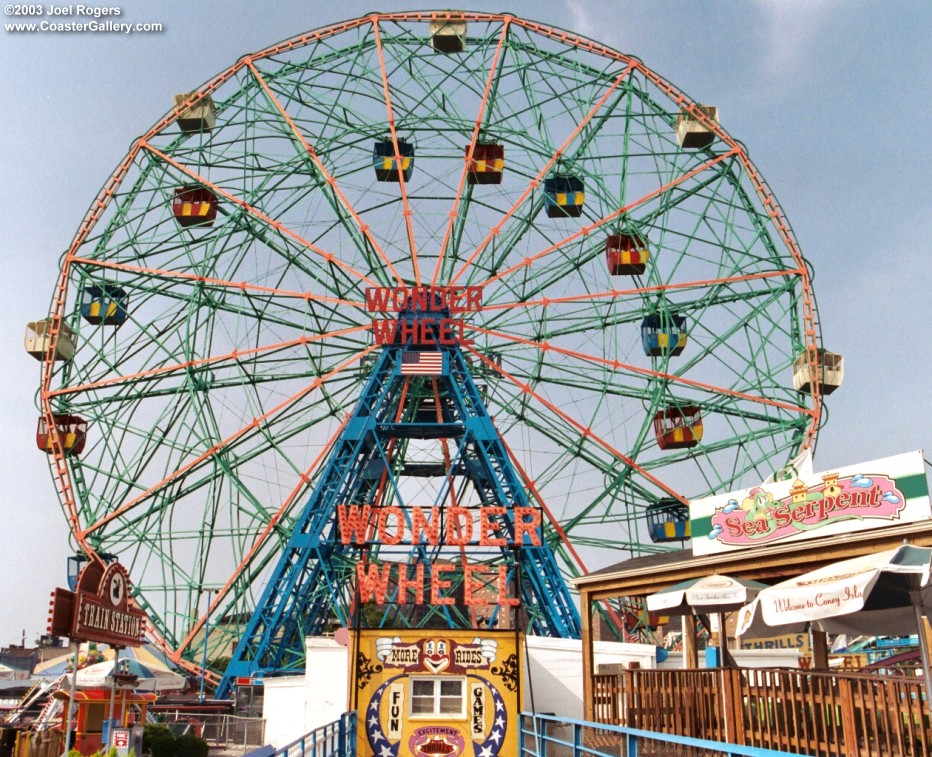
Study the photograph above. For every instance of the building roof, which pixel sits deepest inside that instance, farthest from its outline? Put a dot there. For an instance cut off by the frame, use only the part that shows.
(646, 561)
(645, 575)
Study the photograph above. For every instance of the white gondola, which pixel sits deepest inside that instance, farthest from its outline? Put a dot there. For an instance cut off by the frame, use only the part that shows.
(830, 367)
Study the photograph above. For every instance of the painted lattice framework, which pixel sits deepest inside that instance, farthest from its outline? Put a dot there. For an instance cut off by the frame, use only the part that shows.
(212, 408)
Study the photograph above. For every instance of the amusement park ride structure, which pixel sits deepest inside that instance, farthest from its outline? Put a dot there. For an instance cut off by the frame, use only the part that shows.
(417, 262)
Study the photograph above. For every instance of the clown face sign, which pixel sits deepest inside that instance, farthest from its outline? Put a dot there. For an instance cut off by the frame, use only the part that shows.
(428, 695)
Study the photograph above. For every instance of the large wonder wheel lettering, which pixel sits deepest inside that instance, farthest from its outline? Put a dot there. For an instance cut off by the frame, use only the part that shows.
(643, 301)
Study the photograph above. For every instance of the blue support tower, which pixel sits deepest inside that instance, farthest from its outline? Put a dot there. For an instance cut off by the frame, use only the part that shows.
(415, 397)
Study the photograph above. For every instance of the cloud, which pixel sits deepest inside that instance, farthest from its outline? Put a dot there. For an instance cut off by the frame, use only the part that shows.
(581, 22)
(792, 29)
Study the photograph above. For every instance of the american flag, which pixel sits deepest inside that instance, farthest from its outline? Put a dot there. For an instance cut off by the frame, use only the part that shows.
(421, 363)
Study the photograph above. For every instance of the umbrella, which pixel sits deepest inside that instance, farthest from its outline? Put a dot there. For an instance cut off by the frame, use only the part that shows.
(884, 592)
(151, 677)
(146, 654)
(145, 661)
(710, 594)
(713, 593)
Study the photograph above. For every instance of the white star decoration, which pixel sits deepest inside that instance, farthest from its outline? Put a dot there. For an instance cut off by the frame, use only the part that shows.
(385, 751)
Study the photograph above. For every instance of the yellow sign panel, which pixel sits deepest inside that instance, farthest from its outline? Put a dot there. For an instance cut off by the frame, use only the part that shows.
(797, 641)
(437, 693)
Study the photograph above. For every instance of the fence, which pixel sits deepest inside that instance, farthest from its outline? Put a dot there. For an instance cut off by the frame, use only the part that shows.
(23, 743)
(816, 713)
(218, 729)
(337, 739)
(549, 736)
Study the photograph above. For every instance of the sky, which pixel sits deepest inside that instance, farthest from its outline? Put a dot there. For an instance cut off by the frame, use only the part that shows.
(831, 99)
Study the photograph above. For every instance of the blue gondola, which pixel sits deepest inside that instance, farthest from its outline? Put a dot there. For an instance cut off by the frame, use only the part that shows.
(564, 196)
(385, 163)
(663, 334)
(76, 563)
(668, 520)
(105, 304)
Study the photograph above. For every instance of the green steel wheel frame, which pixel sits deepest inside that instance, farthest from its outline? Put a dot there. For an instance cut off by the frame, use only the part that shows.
(247, 340)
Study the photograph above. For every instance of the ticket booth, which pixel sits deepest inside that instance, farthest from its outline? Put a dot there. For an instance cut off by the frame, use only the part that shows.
(93, 706)
(436, 692)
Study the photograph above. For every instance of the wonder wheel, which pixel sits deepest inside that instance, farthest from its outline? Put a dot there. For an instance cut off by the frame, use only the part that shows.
(640, 300)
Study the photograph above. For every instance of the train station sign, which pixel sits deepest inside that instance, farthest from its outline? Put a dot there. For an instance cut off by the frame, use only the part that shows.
(98, 609)
(877, 494)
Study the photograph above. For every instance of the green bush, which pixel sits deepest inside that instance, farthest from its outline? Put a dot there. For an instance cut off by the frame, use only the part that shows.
(190, 745)
(151, 731)
(158, 740)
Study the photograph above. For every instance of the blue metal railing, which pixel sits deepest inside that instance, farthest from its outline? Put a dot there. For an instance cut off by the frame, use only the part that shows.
(540, 736)
(336, 739)
(549, 736)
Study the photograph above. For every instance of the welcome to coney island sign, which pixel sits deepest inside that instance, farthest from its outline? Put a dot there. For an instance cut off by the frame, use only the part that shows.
(880, 493)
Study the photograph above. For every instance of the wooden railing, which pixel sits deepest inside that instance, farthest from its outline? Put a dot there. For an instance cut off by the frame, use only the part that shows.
(818, 713)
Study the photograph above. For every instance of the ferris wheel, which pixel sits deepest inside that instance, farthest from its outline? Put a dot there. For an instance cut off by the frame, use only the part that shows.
(643, 300)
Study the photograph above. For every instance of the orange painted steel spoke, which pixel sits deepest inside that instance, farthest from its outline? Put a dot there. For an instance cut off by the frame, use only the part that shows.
(241, 286)
(58, 463)
(329, 257)
(389, 454)
(322, 169)
(810, 322)
(305, 479)
(472, 147)
(586, 432)
(153, 635)
(616, 293)
(587, 230)
(215, 360)
(406, 206)
(555, 523)
(581, 43)
(93, 215)
(445, 447)
(256, 422)
(451, 490)
(617, 365)
(496, 230)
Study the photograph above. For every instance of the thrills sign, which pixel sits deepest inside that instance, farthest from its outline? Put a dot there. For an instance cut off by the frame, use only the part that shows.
(881, 493)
